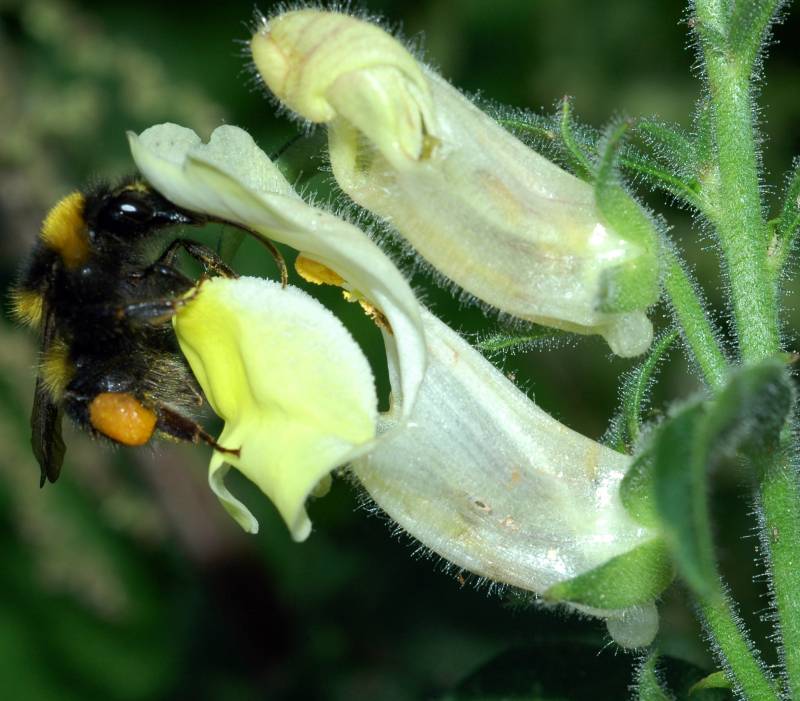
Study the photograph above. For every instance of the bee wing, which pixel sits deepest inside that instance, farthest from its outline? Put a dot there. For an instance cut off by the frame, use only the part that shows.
(46, 439)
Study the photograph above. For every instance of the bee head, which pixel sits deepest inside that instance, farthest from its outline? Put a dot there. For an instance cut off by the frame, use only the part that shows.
(132, 211)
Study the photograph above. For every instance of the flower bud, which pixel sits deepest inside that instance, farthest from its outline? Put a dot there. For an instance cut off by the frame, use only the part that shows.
(498, 219)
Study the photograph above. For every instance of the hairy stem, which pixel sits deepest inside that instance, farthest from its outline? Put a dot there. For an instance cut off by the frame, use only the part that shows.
(780, 536)
(742, 666)
(742, 230)
(731, 37)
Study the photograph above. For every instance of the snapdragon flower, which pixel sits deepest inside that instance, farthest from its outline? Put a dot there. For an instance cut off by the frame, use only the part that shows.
(495, 217)
(463, 461)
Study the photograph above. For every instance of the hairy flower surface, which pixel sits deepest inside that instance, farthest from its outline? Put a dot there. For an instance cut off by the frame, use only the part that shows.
(497, 218)
(293, 387)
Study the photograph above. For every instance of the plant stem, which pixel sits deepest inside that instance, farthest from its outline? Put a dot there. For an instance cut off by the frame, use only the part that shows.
(731, 43)
(743, 668)
(741, 228)
(780, 536)
(698, 334)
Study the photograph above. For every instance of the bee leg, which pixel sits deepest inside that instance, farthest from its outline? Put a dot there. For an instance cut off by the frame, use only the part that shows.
(274, 252)
(199, 399)
(279, 261)
(154, 312)
(163, 272)
(183, 428)
(210, 261)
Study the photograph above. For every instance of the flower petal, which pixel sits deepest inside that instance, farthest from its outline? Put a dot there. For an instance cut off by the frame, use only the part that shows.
(232, 179)
(294, 389)
(498, 219)
(492, 483)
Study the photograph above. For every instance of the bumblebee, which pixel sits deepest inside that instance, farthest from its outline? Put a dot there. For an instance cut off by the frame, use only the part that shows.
(102, 300)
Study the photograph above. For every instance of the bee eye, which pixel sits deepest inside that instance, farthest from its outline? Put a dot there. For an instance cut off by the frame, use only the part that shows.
(129, 207)
(128, 213)
(133, 212)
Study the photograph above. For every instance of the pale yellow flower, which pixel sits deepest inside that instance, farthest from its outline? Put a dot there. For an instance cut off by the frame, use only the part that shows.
(462, 461)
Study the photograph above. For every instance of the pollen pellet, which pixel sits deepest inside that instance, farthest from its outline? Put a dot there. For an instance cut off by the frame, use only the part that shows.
(315, 272)
(122, 417)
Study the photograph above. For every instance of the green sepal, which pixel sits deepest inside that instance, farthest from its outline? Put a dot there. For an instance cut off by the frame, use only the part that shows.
(638, 491)
(629, 287)
(576, 149)
(633, 284)
(630, 579)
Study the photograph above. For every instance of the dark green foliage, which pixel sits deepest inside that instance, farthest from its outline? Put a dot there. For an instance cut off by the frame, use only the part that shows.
(554, 670)
(744, 421)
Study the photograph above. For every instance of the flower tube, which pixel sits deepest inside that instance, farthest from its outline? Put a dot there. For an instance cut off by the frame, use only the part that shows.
(485, 478)
(495, 217)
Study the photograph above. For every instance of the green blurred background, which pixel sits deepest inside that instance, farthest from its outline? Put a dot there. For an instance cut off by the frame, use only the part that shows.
(126, 580)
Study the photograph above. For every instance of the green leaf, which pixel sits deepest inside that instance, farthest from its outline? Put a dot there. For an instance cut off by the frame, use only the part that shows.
(680, 489)
(748, 28)
(501, 342)
(787, 225)
(749, 414)
(649, 687)
(669, 143)
(573, 145)
(636, 577)
(745, 418)
(300, 159)
(716, 680)
(545, 134)
(637, 385)
(229, 242)
(682, 677)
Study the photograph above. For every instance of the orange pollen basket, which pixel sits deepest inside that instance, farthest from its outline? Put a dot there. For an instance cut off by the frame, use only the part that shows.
(122, 417)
